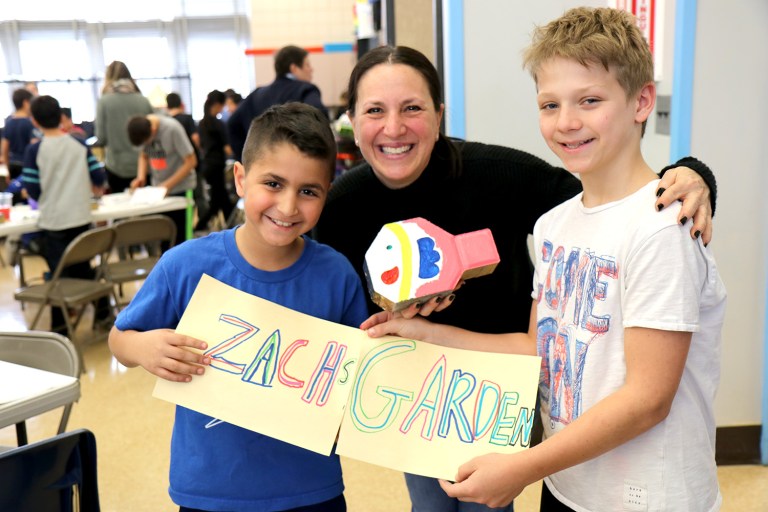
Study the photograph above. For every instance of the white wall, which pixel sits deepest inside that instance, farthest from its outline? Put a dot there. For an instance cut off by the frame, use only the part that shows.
(730, 133)
(305, 23)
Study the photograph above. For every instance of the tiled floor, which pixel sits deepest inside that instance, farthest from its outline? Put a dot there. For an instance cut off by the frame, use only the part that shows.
(133, 432)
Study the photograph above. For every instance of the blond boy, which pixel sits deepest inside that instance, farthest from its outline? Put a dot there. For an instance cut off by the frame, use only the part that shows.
(627, 310)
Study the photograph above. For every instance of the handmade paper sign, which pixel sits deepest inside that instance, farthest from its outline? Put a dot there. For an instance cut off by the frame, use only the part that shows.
(273, 370)
(414, 260)
(426, 409)
(405, 404)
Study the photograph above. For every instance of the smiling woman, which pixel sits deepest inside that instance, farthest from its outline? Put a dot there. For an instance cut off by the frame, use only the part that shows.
(396, 124)
(412, 170)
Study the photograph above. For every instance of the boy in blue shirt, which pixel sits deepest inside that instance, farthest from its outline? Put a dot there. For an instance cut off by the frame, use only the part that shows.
(288, 163)
(18, 133)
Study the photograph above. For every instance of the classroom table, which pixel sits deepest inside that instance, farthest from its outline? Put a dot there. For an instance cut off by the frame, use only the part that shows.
(110, 207)
(26, 392)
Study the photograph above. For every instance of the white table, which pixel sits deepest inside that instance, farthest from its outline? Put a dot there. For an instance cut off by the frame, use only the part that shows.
(26, 392)
(111, 207)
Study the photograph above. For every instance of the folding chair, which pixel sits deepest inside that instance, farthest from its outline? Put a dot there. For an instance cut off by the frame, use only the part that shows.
(45, 351)
(69, 292)
(55, 474)
(152, 231)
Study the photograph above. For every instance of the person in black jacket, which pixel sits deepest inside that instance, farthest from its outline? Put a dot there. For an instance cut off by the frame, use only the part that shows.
(215, 150)
(293, 83)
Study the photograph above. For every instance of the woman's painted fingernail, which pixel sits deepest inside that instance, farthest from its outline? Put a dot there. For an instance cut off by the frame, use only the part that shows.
(660, 191)
(659, 207)
(439, 299)
(451, 297)
(418, 305)
(683, 220)
(697, 234)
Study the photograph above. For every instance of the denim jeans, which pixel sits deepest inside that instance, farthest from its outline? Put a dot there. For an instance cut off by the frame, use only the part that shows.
(427, 496)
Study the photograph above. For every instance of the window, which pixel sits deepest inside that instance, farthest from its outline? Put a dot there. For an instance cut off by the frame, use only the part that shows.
(62, 71)
(216, 63)
(148, 59)
(67, 56)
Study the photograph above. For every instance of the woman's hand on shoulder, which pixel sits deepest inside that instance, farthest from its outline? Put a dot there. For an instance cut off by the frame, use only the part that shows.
(683, 184)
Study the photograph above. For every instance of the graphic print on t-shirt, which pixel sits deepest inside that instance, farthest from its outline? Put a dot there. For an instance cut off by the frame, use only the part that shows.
(568, 324)
(157, 156)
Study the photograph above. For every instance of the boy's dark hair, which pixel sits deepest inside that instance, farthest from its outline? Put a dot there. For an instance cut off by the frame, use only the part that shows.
(139, 130)
(19, 96)
(301, 125)
(46, 111)
(173, 100)
(66, 112)
(289, 55)
(214, 97)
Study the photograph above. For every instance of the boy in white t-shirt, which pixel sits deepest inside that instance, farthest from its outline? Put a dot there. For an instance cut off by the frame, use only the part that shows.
(627, 309)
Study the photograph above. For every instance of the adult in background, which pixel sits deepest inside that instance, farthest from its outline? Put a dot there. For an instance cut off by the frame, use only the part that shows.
(412, 170)
(120, 100)
(177, 110)
(294, 74)
(214, 151)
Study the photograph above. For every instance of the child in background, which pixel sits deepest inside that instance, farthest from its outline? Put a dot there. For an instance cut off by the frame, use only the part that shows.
(67, 126)
(62, 175)
(630, 345)
(18, 133)
(178, 110)
(167, 158)
(286, 172)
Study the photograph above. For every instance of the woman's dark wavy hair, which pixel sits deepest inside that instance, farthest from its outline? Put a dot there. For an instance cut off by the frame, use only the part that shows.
(214, 97)
(444, 149)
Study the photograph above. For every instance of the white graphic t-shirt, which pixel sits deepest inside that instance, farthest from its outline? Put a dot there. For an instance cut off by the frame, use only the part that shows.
(601, 270)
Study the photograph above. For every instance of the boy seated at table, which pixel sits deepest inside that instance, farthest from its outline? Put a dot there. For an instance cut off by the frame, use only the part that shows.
(61, 174)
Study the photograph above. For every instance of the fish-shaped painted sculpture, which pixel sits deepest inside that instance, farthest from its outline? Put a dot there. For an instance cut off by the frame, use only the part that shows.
(413, 260)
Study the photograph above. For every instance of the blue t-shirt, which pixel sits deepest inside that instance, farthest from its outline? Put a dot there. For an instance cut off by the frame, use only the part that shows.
(219, 466)
(19, 131)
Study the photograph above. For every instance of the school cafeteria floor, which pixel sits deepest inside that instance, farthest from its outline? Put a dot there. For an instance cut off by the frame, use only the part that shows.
(133, 433)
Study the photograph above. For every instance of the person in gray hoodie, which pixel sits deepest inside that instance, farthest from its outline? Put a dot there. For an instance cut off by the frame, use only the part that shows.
(121, 99)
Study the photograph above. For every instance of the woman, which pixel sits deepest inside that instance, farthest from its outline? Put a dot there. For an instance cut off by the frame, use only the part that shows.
(412, 170)
(215, 150)
(121, 99)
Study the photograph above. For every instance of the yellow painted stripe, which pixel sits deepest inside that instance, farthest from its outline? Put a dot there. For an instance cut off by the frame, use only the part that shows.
(407, 257)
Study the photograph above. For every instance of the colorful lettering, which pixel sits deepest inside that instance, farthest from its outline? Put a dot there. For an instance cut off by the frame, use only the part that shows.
(394, 397)
(459, 389)
(216, 353)
(326, 370)
(266, 360)
(283, 377)
(428, 401)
